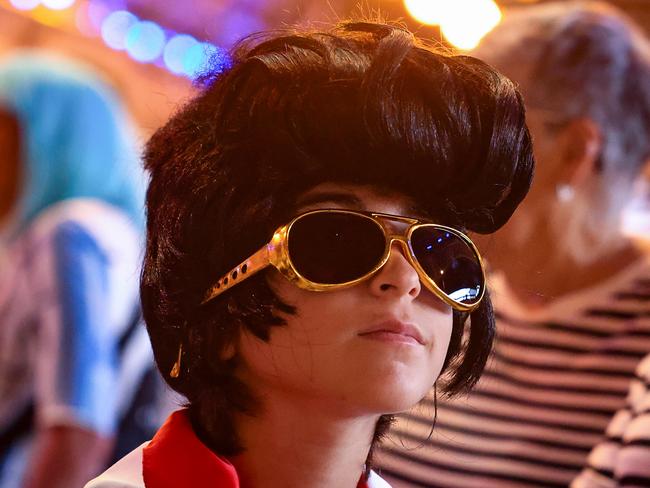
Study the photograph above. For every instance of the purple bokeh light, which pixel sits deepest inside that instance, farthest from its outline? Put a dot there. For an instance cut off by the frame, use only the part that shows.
(115, 27)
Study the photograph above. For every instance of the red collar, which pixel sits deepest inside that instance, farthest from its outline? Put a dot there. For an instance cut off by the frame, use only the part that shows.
(176, 458)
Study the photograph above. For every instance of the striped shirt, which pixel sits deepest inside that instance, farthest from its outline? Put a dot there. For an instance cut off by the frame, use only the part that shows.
(68, 293)
(623, 456)
(556, 377)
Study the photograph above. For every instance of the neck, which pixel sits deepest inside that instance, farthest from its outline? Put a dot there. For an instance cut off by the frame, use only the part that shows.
(292, 443)
(538, 272)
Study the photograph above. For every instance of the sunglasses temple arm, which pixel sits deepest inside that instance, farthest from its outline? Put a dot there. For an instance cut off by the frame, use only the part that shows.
(245, 269)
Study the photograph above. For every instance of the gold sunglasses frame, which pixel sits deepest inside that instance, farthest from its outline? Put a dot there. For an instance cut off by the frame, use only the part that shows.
(276, 253)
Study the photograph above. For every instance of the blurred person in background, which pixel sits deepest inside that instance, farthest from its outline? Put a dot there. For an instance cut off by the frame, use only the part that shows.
(572, 293)
(72, 355)
(622, 458)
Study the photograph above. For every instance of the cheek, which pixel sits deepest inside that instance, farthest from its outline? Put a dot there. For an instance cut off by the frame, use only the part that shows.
(297, 353)
(318, 353)
(436, 318)
(441, 349)
(441, 325)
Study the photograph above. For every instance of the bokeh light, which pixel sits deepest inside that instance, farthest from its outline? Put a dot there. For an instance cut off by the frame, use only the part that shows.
(97, 13)
(25, 4)
(53, 18)
(175, 51)
(58, 4)
(204, 55)
(220, 59)
(82, 20)
(115, 27)
(467, 21)
(196, 59)
(426, 11)
(145, 41)
(462, 22)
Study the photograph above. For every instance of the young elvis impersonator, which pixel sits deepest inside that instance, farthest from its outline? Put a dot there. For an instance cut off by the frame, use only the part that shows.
(307, 271)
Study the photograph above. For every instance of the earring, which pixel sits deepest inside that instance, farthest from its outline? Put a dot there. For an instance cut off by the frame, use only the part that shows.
(176, 369)
(564, 193)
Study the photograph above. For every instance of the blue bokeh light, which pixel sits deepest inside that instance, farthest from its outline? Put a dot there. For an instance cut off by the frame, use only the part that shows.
(115, 27)
(202, 56)
(175, 51)
(195, 59)
(145, 41)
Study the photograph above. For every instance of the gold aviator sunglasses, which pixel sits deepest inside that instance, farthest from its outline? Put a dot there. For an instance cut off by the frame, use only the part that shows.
(331, 249)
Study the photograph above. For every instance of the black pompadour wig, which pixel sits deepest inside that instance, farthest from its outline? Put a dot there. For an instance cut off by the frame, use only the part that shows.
(364, 103)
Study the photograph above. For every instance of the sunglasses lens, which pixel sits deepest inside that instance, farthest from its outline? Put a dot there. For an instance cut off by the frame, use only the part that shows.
(450, 262)
(333, 248)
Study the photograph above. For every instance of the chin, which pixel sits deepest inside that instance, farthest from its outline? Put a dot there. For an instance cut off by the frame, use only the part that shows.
(398, 389)
(396, 400)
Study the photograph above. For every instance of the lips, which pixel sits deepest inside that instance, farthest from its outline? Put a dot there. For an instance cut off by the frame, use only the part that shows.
(394, 331)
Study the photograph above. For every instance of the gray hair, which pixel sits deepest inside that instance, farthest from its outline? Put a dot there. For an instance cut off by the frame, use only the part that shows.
(581, 59)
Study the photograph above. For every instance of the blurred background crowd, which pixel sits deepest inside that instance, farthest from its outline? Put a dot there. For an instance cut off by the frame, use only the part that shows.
(152, 49)
(83, 83)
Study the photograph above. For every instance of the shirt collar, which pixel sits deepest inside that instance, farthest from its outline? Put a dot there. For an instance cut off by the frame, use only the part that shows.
(176, 458)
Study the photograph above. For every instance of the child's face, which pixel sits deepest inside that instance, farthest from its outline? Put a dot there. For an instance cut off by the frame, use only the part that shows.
(374, 348)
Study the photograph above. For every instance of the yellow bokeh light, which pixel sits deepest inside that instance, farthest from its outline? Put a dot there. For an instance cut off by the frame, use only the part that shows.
(53, 18)
(471, 21)
(426, 11)
(462, 22)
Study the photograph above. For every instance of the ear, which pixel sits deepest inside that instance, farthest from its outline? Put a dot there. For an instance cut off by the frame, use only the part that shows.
(228, 352)
(581, 142)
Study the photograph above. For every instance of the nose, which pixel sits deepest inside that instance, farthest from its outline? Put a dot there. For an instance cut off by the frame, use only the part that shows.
(397, 276)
